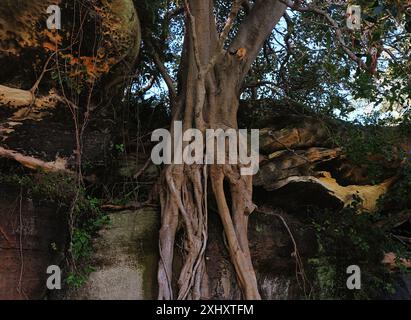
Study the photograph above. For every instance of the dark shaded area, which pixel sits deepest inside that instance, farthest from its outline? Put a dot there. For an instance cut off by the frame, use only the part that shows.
(32, 237)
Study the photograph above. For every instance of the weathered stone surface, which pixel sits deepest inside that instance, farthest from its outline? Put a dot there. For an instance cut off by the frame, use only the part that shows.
(43, 105)
(125, 259)
(272, 255)
(32, 236)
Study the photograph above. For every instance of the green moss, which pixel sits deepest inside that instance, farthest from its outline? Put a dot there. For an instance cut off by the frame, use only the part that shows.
(59, 188)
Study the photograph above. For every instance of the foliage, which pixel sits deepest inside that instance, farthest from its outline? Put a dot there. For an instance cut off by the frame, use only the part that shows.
(399, 196)
(352, 237)
(347, 238)
(81, 248)
(371, 144)
(302, 61)
(77, 280)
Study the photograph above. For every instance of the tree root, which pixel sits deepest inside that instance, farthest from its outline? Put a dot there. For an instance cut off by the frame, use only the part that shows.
(185, 195)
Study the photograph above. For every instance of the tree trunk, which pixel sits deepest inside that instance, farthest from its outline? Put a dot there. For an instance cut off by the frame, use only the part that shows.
(210, 79)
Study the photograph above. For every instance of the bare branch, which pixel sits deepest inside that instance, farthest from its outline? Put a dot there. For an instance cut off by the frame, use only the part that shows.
(224, 34)
(147, 86)
(230, 21)
(129, 206)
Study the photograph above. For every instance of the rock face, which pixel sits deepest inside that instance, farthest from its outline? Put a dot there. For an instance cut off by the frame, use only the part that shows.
(125, 259)
(31, 238)
(272, 255)
(52, 80)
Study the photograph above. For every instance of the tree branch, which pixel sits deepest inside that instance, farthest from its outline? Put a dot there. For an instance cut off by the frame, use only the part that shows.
(175, 12)
(256, 27)
(224, 34)
(163, 71)
(338, 32)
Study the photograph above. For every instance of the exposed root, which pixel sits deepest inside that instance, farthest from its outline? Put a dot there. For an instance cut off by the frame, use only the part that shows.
(236, 226)
(299, 266)
(184, 195)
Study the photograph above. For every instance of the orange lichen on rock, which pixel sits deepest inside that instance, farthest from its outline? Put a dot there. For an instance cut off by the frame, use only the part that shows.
(19, 25)
(94, 66)
(49, 46)
(53, 40)
(86, 67)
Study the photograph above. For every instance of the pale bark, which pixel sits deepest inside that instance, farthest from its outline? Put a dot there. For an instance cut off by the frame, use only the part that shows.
(210, 79)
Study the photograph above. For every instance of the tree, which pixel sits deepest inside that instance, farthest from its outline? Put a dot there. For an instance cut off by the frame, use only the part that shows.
(294, 65)
(211, 73)
(210, 80)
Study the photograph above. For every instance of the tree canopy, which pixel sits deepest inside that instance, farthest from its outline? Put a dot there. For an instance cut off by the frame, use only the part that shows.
(311, 57)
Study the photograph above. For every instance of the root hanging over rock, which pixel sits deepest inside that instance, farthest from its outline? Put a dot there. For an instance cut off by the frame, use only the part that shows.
(184, 197)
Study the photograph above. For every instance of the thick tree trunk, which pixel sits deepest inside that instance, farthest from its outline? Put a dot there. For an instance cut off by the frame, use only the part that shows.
(210, 79)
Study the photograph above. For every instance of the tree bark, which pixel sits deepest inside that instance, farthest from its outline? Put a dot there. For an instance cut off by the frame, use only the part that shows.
(210, 79)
